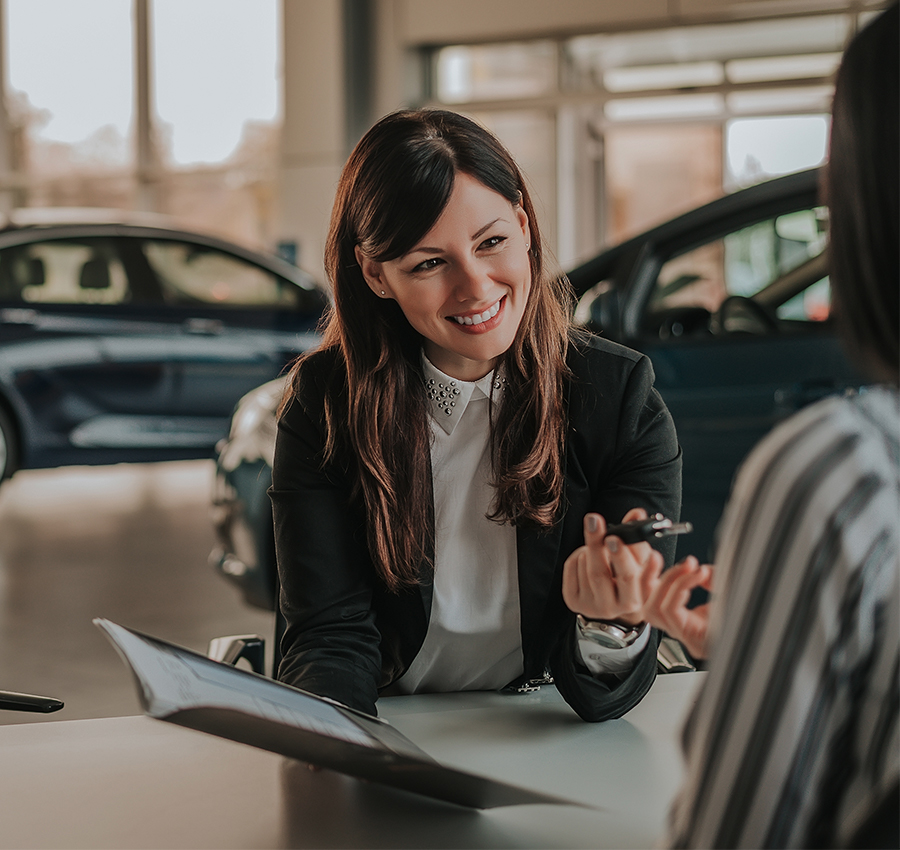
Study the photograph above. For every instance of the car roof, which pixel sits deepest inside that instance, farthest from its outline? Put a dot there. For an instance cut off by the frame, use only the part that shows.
(44, 216)
(699, 225)
(26, 225)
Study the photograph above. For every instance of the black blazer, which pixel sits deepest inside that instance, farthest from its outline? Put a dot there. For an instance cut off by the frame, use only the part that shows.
(347, 637)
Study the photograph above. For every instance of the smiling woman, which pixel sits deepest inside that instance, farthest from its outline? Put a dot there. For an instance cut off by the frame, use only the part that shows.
(464, 292)
(446, 460)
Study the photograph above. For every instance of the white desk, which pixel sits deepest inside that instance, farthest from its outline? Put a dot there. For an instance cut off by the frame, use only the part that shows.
(135, 782)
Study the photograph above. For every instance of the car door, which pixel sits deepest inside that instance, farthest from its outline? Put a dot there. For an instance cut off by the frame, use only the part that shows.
(84, 358)
(740, 334)
(239, 324)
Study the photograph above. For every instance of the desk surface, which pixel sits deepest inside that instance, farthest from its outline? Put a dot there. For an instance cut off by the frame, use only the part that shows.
(135, 782)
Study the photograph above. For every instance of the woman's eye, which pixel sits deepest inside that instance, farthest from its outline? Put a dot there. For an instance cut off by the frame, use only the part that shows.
(492, 242)
(428, 265)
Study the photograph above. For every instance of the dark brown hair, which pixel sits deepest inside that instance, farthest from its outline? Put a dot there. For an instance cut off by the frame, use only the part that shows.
(861, 186)
(392, 190)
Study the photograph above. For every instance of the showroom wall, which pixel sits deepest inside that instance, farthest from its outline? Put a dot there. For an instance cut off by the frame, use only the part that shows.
(332, 88)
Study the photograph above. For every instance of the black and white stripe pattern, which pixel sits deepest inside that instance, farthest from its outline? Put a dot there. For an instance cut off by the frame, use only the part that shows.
(796, 730)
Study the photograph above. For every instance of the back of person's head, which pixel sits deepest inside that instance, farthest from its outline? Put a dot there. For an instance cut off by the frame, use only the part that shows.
(394, 187)
(862, 187)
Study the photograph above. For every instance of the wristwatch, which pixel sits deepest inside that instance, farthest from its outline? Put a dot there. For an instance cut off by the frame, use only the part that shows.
(610, 635)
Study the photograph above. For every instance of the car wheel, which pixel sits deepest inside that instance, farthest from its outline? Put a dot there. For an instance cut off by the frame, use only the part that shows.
(8, 446)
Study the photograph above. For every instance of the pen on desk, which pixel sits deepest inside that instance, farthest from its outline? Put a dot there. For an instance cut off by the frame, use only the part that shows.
(654, 527)
(28, 702)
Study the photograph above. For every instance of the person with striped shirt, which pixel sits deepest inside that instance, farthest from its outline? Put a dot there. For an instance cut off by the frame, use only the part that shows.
(794, 739)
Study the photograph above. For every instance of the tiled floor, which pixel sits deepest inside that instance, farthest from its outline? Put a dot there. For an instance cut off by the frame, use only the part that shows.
(129, 543)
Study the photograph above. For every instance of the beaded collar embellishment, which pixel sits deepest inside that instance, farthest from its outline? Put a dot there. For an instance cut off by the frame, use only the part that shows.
(449, 397)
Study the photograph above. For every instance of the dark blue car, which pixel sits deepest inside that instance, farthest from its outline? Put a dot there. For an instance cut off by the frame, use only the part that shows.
(730, 301)
(133, 342)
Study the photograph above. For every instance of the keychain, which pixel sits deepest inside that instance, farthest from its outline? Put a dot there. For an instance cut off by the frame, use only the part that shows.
(652, 528)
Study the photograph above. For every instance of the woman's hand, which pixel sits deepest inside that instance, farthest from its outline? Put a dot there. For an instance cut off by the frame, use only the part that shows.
(666, 608)
(607, 579)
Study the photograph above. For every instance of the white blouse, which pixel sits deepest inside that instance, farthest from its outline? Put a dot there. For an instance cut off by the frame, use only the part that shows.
(474, 639)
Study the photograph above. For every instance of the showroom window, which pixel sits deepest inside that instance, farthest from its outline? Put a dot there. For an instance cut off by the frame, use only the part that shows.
(214, 89)
(619, 131)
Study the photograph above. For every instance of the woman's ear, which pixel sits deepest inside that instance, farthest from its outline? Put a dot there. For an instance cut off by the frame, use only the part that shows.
(372, 273)
(522, 217)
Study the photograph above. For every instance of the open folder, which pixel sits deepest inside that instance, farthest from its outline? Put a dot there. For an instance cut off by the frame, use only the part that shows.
(184, 687)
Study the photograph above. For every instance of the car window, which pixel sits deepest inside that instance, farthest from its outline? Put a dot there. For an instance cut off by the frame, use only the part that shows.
(813, 304)
(195, 274)
(778, 263)
(63, 272)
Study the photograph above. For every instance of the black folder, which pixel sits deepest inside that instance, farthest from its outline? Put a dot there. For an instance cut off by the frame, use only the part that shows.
(189, 689)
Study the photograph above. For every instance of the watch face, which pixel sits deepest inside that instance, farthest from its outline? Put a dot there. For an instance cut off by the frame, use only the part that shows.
(605, 639)
(605, 634)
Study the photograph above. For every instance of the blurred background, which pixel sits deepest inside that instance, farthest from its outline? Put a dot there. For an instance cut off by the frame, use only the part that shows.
(234, 117)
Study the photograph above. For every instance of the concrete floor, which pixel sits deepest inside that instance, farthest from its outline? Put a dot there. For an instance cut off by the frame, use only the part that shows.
(129, 543)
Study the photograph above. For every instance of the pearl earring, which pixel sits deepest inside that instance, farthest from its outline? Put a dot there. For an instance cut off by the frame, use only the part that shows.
(382, 293)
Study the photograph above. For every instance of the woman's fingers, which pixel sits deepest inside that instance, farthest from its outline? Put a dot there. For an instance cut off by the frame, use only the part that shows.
(654, 608)
(594, 530)
(635, 568)
(650, 575)
(574, 579)
(584, 584)
(697, 637)
(626, 572)
(587, 581)
(606, 579)
(642, 550)
(666, 607)
(591, 580)
(678, 590)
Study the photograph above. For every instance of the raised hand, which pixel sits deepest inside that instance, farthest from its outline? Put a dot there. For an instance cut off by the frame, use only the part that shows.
(666, 605)
(606, 579)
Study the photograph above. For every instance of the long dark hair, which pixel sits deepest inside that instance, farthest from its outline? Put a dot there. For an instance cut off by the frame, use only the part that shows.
(861, 186)
(392, 190)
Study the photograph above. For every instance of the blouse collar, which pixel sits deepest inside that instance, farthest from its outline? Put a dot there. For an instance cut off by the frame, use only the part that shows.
(448, 397)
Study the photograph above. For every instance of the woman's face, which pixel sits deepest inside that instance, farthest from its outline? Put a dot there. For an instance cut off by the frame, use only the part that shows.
(464, 286)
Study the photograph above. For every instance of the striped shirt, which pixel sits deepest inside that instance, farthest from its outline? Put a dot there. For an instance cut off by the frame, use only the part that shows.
(795, 733)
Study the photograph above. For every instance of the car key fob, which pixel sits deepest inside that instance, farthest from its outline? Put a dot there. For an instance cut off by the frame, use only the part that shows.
(652, 528)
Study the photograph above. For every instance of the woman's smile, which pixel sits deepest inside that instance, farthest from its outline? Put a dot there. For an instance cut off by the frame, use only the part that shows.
(465, 285)
(481, 322)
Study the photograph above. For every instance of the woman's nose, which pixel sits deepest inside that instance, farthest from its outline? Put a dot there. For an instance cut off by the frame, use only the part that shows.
(472, 282)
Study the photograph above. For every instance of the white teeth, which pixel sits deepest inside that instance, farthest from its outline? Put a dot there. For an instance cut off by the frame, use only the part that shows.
(478, 318)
